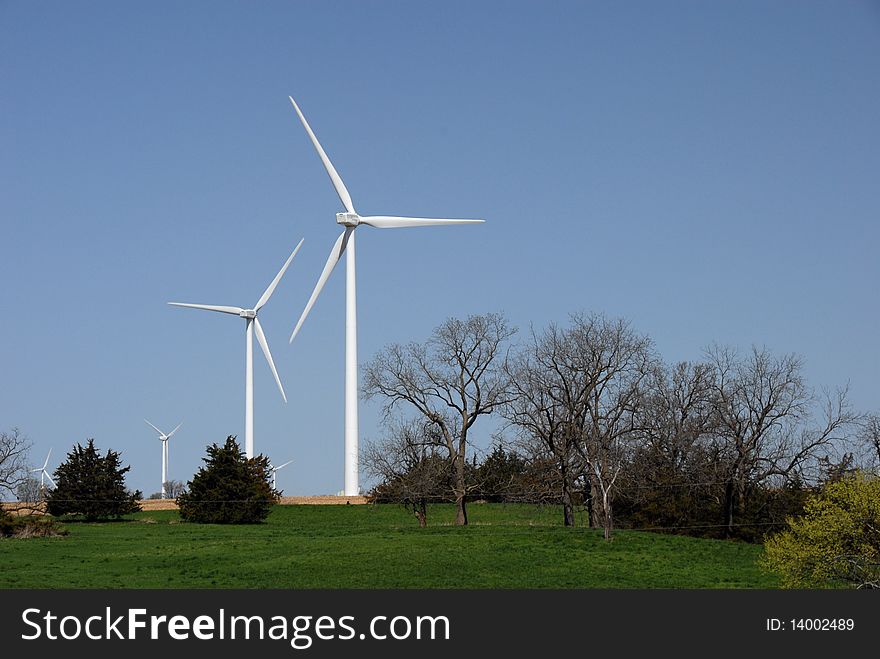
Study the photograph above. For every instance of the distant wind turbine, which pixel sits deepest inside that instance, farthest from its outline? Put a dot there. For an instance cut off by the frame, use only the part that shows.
(43, 473)
(164, 439)
(350, 220)
(253, 327)
(275, 470)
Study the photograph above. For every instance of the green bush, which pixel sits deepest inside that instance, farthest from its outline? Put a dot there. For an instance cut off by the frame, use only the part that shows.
(91, 485)
(229, 489)
(837, 540)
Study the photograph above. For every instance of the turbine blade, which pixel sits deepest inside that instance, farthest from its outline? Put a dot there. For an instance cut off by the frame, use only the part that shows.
(209, 307)
(261, 339)
(335, 254)
(331, 170)
(51, 480)
(168, 436)
(283, 466)
(46, 463)
(271, 289)
(154, 427)
(393, 222)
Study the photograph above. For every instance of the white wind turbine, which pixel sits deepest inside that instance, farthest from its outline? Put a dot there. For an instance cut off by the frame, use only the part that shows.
(164, 439)
(43, 473)
(350, 221)
(253, 327)
(275, 470)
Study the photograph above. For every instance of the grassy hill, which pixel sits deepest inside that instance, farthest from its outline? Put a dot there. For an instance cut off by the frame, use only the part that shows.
(505, 546)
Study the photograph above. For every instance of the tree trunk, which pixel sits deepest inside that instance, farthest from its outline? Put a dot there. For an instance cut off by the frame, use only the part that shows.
(729, 507)
(596, 513)
(609, 515)
(460, 510)
(567, 507)
(460, 490)
(421, 511)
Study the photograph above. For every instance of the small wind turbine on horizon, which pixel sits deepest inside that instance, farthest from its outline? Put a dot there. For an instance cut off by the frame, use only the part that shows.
(253, 327)
(43, 473)
(275, 470)
(350, 220)
(164, 439)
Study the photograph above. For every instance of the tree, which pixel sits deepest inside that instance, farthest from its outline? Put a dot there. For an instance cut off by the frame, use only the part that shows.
(671, 480)
(91, 485)
(615, 362)
(29, 490)
(229, 489)
(174, 488)
(451, 380)
(413, 473)
(548, 390)
(869, 437)
(500, 477)
(14, 447)
(762, 421)
(835, 542)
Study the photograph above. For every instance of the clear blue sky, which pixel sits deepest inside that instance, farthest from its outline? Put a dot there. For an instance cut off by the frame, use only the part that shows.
(709, 170)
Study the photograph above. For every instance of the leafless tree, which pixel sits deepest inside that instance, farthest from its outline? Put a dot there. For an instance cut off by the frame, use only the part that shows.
(14, 447)
(869, 436)
(407, 461)
(763, 420)
(174, 489)
(29, 490)
(548, 389)
(451, 380)
(672, 470)
(616, 362)
(576, 391)
(678, 410)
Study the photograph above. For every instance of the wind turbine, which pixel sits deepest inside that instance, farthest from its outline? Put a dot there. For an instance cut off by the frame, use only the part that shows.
(275, 470)
(350, 220)
(164, 439)
(43, 473)
(253, 327)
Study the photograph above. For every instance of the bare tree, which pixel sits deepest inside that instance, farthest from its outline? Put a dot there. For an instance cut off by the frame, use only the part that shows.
(174, 489)
(407, 461)
(616, 361)
(678, 410)
(547, 392)
(451, 380)
(576, 391)
(869, 436)
(14, 448)
(763, 420)
(672, 476)
(29, 490)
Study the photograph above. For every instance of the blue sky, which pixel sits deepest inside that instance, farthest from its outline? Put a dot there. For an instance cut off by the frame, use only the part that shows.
(707, 170)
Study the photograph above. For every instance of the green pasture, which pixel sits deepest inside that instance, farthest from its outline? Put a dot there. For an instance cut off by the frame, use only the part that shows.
(374, 546)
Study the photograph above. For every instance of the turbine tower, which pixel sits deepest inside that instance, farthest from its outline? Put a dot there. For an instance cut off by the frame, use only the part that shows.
(253, 327)
(43, 473)
(350, 220)
(275, 470)
(163, 437)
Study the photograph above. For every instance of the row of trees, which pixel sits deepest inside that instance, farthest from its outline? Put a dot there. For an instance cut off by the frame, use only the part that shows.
(592, 412)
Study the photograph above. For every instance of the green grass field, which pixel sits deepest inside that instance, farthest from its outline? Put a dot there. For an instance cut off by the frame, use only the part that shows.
(505, 546)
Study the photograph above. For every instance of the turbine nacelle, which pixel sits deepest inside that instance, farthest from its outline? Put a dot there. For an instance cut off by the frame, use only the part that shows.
(348, 219)
(247, 313)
